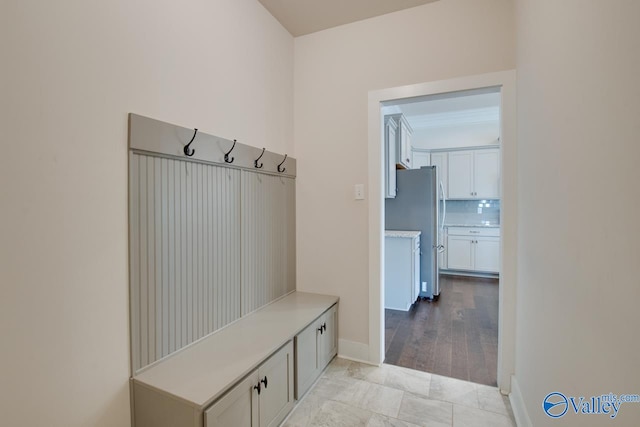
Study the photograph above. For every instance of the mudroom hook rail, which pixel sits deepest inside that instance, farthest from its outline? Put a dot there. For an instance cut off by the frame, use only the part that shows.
(226, 155)
(281, 170)
(187, 151)
(255, 162)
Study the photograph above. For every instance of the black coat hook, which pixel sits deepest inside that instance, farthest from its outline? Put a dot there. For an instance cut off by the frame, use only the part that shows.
(283, 169)
(255, 162)
(190, 152)
(226, 155)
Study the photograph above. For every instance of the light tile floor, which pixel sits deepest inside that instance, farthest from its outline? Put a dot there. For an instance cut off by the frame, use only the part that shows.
(353, 394)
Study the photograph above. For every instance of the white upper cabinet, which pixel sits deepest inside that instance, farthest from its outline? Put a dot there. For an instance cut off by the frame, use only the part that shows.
(439, 160)
(486, 174)
(461, 175)
(390, 131)
(474, 174)
(403, 140)
(420, 158)
(404, 146)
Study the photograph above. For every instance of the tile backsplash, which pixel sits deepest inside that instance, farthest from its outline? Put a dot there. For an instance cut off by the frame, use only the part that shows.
(473, 212)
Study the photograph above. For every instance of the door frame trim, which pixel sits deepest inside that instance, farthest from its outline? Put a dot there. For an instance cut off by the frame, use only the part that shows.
(505, 81)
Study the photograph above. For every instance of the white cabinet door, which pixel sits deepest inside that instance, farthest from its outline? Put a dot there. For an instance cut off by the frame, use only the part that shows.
(420, 158)
(439, 160)
(486, 174)
(460, 252)
(402, 143)
(398, 273)
(487, 254)
(239, 407)
(307, 366)
(276, 379)
(461, 175)
(416, 271)
(328, 346)
(390, 130)
(263, 399)
(474, 174)
(405, 144)
(316, 345)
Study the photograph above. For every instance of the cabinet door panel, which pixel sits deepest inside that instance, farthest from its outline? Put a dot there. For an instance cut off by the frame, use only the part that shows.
(439, 160)
(461, 175)
(459, 253)
(390, 165)
(487, 174)
(416, 273)
(307, 366)
(419, 159)
(276, 398)
(238, 408)
(329, 338)
(487, 254)
(406, 145)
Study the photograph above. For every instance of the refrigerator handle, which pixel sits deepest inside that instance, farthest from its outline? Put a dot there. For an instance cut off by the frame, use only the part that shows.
(444, 206)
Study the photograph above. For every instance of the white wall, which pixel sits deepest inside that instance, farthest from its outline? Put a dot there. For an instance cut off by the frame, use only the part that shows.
(334, 71)
(465, 135)
(71, 71)
(579, 204)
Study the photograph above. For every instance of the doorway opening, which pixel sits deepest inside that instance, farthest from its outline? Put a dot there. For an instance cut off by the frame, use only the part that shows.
(489, 276)
(442, 233)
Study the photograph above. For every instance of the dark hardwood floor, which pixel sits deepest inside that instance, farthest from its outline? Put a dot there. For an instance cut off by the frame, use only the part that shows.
(457, 336)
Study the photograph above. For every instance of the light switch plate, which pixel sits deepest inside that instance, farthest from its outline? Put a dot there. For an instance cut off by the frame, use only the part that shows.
(359, 191)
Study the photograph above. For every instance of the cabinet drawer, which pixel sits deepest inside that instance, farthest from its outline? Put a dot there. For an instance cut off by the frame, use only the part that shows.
(474, 231)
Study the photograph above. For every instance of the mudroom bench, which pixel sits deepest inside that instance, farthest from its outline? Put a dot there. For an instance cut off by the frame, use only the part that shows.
(247, 374)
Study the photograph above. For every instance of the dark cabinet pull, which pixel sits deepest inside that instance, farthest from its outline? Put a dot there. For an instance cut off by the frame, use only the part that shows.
(324, 326)
(320, 329)
(264, 381)
(257, 387)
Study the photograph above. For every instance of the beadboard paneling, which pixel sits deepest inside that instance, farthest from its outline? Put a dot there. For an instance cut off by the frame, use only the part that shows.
(268, 239)
(185, 253)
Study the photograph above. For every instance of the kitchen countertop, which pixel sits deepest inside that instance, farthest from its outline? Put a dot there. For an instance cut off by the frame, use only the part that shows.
(401, 233)
(490, 225)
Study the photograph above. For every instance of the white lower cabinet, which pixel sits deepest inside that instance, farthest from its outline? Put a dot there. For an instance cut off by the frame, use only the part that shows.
(460, 253)
(239, 407)
(487, 254)
(473, 249)
(262, 399)
(316, 345)
(401, 269)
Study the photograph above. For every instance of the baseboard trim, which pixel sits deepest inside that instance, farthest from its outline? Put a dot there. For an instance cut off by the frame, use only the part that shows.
(351, 350)
(517, 404)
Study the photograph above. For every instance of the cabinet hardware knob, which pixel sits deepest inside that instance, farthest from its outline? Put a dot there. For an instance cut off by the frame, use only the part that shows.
(324, 326)
(264, 381)
(320, 330)
(257, 387)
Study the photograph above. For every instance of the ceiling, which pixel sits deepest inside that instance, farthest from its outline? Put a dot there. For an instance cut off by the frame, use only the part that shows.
(302, 17)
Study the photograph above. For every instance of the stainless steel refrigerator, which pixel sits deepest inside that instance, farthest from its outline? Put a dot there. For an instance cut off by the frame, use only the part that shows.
(420, 205)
